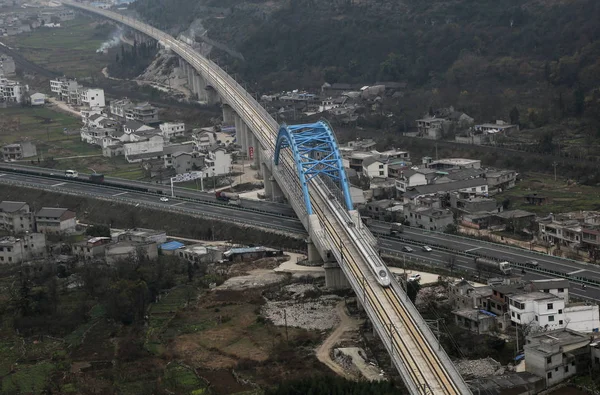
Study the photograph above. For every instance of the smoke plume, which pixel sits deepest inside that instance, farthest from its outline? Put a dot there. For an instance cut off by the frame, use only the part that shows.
(113, 41)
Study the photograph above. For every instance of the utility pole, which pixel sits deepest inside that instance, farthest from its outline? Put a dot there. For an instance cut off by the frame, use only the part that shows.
(436, 152)
(554, 164)
(286, 328)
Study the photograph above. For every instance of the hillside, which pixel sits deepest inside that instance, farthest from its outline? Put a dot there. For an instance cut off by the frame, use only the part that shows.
(483, 56)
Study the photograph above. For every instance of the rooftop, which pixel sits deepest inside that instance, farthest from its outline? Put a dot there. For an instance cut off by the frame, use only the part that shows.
(536, 295)
(8, 206)
(456, 161)
(474, 314)
(514, 214)
(564, 337)
(551, 283)
(446, 187)
(247, 250)
(171, 246)
(370, 160)
(51, 212)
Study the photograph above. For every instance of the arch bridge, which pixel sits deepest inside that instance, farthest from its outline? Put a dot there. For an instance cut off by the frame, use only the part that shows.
(302, 164)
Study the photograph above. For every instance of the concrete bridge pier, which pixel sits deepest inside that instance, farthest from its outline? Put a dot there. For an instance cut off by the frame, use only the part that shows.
(256, 152)
(267, 176)
(211, 95)
(228, 117)
(313, 252)
(246, 135)
(334, 277)
(239, 130)
(276, 192)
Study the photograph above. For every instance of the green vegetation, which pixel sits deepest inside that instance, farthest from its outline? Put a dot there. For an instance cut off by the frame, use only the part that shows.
(562, 195)
(70, 49)
(324, 385)
(131, 63)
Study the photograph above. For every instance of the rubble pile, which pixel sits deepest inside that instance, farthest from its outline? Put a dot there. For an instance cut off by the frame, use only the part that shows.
(314, 314)
(480, 367)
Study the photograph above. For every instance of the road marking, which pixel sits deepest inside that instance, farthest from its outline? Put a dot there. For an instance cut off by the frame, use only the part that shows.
(2, 175)
(177, 204)
(59, 184)
(473, 249)
(576, 271)
(120, 193)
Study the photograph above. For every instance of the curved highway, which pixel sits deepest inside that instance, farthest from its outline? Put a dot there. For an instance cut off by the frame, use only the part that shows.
(264, 206)
(413, 348)
(221, 212)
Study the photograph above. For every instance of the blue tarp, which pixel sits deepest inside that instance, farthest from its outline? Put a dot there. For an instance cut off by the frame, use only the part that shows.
(171, 245)
(488, 313)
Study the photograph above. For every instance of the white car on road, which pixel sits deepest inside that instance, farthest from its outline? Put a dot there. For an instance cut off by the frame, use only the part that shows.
(414, 277)
(427, 248)
(164, 199)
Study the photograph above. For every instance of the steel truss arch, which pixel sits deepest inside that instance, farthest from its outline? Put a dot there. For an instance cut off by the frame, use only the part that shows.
(315, 152)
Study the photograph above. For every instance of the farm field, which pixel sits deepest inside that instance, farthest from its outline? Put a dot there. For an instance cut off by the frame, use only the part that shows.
(70, 49)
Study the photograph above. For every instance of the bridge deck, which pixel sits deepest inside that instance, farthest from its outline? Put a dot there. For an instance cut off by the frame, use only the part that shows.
(399, 325)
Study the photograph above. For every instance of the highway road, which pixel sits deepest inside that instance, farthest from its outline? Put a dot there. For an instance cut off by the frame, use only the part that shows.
(266, 206)
(272, 207)
(411, 236)
(439, 258)
(217, 211)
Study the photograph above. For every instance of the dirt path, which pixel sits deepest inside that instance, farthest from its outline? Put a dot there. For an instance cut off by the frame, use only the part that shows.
(64, 107)
(347, 324)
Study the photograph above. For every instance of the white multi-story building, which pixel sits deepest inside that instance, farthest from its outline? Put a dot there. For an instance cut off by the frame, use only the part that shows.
(537, 309)
(172, 129)
(217, 162)
(374, 167)
(545, 311)
(21, 249)
(410, 178)
(91, 97)
(119, 107)
(64, 88)
(204, 140)
(71, 92)
(12, 91)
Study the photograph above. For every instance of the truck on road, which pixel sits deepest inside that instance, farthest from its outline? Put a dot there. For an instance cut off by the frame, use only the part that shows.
(492, 266)
(231, 198)
(396, 229)
(227, 196)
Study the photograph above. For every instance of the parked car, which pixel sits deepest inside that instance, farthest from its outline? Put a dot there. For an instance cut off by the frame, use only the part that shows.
(427, 248)
(164, 199)
(414, 277)
(407, 249)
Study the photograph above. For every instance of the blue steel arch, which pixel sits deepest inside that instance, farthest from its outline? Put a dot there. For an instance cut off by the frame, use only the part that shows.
(315, 152)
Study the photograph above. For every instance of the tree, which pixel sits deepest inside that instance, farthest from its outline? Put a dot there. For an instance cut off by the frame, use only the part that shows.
(515, 116)
(412, 289)
(98, 231)
(546, 144)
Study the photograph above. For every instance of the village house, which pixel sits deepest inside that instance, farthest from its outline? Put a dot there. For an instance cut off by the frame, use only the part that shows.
(55, 220)
(18, 151)
(16, 217)
(23, 248)
(557, 355)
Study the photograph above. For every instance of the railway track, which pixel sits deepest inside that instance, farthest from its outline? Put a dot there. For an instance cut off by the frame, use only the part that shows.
(409, 344)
